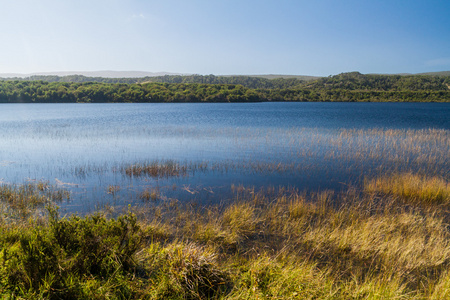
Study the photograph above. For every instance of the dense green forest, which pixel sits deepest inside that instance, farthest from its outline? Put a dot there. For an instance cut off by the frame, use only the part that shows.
(197, 88)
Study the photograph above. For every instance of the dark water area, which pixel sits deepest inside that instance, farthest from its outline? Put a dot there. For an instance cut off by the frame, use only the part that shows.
(86, 148)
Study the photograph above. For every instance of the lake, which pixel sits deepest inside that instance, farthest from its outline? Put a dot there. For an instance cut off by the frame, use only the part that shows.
(208, 150)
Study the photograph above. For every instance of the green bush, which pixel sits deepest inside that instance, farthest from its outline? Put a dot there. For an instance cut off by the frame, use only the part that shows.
(69, 256)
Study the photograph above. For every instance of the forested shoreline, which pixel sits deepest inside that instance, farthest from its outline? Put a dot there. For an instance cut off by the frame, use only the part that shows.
(348, 87)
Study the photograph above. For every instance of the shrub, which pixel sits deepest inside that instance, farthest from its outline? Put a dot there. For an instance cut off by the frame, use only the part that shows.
(57, 260)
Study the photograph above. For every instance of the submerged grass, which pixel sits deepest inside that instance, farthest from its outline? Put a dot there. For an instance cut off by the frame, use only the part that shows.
(264, 245)
(28, 199)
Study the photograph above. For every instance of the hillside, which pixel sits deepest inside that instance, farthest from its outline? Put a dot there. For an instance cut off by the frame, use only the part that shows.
(358, 81)
(443, 73)
(276, 76)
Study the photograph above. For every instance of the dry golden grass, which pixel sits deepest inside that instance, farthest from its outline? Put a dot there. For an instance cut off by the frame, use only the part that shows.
(322, 246)
(412, 187)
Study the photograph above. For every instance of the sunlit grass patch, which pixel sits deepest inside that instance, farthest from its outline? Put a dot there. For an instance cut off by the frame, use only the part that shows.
(423, 189)
(240, 219)
(273, 278)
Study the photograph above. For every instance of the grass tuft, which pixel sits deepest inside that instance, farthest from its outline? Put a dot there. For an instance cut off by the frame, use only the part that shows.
(189, 270)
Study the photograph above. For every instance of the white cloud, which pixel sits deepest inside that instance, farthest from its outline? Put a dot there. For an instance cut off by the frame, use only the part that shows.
(138, 16)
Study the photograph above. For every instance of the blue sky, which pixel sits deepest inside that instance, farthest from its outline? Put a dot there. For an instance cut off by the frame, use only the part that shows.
(320, 37)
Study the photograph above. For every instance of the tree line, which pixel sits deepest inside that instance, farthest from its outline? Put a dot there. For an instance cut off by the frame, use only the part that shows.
(343, 87)
(94, 92)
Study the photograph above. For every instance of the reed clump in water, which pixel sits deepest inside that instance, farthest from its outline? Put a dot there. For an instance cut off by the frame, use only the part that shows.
(156, 169)
(163, 169)
(113, 189)
(150, 194)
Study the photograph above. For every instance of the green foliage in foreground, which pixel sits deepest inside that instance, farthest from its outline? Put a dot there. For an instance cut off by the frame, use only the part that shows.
(342, 87)
(71, 258)
(267, 245)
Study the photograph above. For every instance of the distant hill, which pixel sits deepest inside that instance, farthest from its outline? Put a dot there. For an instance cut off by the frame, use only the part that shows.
(278, 76)
(143, 74)
(254, 82)
(103, 74)
(443, 73)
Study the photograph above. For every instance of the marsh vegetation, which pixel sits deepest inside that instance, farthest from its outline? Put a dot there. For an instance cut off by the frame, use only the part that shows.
(265, 244)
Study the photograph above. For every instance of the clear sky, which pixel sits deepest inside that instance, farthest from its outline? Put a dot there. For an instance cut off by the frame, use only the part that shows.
(314, 37)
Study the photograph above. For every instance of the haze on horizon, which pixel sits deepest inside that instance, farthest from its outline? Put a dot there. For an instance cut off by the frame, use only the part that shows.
(223, 37)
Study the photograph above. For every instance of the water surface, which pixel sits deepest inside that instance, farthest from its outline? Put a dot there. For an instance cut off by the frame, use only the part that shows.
(86, 147)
